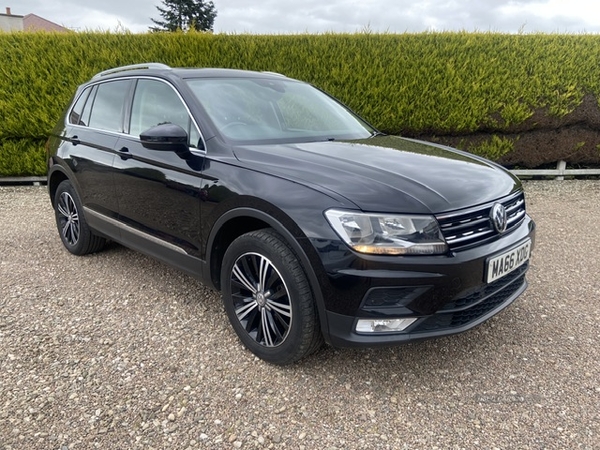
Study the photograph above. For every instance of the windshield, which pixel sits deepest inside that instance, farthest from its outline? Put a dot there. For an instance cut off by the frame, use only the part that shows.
(263, 110)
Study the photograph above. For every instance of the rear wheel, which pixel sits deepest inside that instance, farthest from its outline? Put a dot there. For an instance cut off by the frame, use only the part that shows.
(268, 299)
(72, 226)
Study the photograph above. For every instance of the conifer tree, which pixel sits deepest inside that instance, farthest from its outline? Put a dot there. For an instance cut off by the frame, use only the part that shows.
(185, 15)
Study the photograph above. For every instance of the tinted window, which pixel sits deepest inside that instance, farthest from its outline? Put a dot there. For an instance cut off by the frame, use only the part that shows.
(155, 103)
(87, 109)
(108, 106)
(75, 116)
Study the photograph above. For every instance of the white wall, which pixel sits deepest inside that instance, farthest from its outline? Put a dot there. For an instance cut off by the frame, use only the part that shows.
(11, 23)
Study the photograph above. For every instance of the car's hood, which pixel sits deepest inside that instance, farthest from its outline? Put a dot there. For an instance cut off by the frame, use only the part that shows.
(386, 173)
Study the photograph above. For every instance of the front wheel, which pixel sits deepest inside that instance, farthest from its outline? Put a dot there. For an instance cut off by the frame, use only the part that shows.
(268, 299)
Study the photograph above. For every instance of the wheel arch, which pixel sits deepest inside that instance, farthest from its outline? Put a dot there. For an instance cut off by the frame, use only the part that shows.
(241, 220)
(57, 175)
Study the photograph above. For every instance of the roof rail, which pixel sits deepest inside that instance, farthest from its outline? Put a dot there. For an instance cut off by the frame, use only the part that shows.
(273, 73)
(131, 67)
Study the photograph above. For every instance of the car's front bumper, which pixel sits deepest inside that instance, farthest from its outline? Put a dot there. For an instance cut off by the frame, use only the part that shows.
(446, 295)
(445, 321)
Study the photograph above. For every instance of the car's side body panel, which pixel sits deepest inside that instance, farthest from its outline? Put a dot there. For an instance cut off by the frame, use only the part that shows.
(159, 193)
(91, 156)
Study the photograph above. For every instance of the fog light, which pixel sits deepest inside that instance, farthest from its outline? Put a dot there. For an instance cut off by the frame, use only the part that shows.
(383, 325)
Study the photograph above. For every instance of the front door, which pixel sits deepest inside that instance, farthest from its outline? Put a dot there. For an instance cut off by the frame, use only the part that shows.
(158, 192)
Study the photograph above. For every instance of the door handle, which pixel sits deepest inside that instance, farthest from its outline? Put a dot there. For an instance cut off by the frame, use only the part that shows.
(75, 140)
(124, 153)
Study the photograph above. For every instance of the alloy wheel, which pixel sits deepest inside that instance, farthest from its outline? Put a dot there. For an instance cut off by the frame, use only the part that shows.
(261, 299)
(68, 218)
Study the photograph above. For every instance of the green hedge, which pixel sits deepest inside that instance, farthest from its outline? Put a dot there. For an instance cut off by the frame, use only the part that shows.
(22, 157)
(433, 84)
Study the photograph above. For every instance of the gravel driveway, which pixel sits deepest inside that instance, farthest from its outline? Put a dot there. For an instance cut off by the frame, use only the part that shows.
(117, 351)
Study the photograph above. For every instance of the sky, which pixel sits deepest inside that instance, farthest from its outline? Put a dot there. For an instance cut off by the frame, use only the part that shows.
(320, 16)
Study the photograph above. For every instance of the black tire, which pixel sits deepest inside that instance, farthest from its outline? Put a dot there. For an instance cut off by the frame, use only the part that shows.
(72, 226)
(268, 299)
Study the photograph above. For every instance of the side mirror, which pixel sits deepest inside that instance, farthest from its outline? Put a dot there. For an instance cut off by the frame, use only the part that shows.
(165, 137)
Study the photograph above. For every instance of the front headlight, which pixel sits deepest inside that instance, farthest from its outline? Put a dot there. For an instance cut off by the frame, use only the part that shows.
(388, 234)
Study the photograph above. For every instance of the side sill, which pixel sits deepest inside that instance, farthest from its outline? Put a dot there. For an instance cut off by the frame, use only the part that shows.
(149, 245)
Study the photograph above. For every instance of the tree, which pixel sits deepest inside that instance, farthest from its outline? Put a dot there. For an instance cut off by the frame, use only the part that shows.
(185, 15)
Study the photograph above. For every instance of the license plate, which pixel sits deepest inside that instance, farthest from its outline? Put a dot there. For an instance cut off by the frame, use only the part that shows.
(505, 263)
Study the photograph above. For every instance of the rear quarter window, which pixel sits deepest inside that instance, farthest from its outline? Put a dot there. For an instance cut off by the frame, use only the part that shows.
(75, 115)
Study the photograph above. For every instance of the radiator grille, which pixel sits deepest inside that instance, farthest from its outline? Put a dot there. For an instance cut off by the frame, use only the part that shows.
(471, 227)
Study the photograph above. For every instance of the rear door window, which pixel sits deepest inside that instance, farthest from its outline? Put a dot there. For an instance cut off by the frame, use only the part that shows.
(107, 111)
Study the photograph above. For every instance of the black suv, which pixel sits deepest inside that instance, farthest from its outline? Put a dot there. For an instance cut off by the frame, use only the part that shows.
(313, 225)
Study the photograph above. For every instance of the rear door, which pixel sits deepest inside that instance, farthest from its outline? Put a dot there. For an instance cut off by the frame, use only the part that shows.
(94, 126)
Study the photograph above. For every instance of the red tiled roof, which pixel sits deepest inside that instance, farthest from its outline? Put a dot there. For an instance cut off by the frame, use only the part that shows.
(31, 22)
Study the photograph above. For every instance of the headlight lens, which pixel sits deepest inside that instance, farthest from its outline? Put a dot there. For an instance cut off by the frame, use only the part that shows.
(388, 234)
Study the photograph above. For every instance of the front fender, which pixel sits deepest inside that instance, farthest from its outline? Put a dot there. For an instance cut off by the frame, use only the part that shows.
(301, 246)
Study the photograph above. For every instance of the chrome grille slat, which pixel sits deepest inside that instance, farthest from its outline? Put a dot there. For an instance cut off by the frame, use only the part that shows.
(469, 227)
(477, 236)
(517, 217)
(517, 206)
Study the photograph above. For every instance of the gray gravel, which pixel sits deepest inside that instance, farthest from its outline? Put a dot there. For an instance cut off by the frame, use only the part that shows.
(117, 351)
